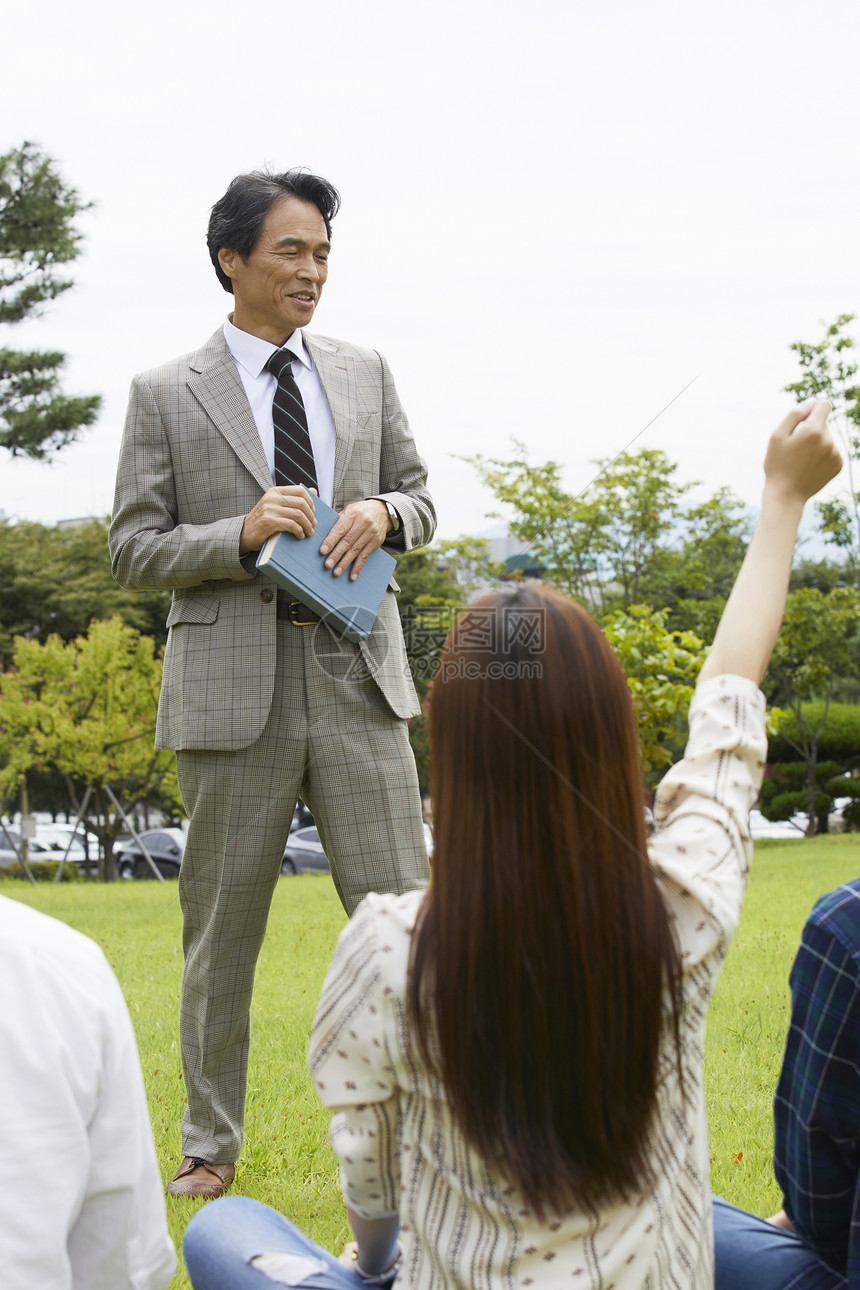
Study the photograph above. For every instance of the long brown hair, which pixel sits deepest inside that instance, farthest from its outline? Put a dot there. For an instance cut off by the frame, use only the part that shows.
(543, 952)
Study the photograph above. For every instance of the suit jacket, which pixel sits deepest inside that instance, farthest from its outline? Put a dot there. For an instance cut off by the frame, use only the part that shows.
(191, 466)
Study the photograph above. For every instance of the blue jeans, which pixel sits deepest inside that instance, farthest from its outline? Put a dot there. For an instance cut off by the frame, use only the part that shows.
(750, 1254)
(225, 1236)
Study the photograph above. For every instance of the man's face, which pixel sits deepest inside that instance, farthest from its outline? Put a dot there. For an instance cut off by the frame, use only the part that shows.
(278, 287)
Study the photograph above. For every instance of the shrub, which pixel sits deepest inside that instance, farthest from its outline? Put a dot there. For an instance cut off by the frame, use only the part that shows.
(42, 871)
(841, 786)
(840, 738)
(785, 790)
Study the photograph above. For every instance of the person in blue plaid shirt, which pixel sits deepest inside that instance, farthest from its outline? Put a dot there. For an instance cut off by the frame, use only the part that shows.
(813, 1243)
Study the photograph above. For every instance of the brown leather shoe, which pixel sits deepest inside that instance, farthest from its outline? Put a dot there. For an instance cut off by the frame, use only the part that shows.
(195, 1177)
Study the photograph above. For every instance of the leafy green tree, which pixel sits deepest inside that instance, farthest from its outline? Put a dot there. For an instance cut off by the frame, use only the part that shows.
(435, 582)
(602, 546)
(640, 502)
(828, 372)
(626, 540)
(87, 709)
(466, 560)
(561, 529)
(661, 666)
(425, 579)
(695, 576)
(54, 581)
(824, 575)
(813, 646)
(37, 236)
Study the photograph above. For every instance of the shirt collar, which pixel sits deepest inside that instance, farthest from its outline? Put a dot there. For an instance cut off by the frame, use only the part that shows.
(253, 354)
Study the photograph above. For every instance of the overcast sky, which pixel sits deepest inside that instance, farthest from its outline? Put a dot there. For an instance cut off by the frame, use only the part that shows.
(555, 214)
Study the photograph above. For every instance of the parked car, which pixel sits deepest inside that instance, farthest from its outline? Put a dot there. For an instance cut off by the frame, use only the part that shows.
(164, 845)
(302, 817)
(304, 853)
(40, 847)
(836, 822)
(85, 847)
(764, 828)
(10, 844)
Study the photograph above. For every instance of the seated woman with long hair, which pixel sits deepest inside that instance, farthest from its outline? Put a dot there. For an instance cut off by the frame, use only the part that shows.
(514, 1058)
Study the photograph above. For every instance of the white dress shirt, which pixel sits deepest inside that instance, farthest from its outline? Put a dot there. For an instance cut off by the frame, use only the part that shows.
(251, 354)
(82, 1199)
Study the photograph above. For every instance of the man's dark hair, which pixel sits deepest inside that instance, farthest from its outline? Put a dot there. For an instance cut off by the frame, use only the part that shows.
(238, 216)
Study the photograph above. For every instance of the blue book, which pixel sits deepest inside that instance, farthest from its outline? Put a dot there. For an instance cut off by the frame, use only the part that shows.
(348, 607)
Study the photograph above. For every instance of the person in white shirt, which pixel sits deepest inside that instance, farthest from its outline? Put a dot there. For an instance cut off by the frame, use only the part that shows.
(81, 1203)
(514, 1058)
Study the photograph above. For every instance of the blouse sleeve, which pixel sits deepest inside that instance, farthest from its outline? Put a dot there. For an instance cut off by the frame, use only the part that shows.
(351, 1061)
(702, 848)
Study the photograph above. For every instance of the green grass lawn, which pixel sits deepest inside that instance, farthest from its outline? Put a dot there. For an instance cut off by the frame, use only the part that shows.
(287, 1161)
(749, 1014)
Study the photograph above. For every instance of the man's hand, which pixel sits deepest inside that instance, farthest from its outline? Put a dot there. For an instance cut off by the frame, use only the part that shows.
(361, 528)
(287, 509)
(781, 1220)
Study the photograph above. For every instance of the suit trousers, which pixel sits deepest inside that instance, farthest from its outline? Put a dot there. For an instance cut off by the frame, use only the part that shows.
(332, 740)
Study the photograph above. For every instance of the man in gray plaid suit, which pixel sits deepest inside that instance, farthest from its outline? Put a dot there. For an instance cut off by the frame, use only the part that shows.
(261, 703)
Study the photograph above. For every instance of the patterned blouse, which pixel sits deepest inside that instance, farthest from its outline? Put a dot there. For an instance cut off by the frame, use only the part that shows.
(462, 1223)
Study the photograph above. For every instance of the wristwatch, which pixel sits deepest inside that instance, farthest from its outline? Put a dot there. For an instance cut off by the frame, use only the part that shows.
(395, 518)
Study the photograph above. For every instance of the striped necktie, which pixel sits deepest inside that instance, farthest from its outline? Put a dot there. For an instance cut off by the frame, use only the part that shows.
(294, 455)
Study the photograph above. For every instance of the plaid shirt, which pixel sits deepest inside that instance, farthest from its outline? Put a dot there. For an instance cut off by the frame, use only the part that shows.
(817, 1103)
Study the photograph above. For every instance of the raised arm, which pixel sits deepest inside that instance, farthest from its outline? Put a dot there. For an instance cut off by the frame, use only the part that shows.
(801, 458)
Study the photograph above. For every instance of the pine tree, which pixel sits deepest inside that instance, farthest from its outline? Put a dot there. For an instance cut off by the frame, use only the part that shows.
(37, 236)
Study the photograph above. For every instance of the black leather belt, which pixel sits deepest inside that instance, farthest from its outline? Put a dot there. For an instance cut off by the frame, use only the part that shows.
(293, 611)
